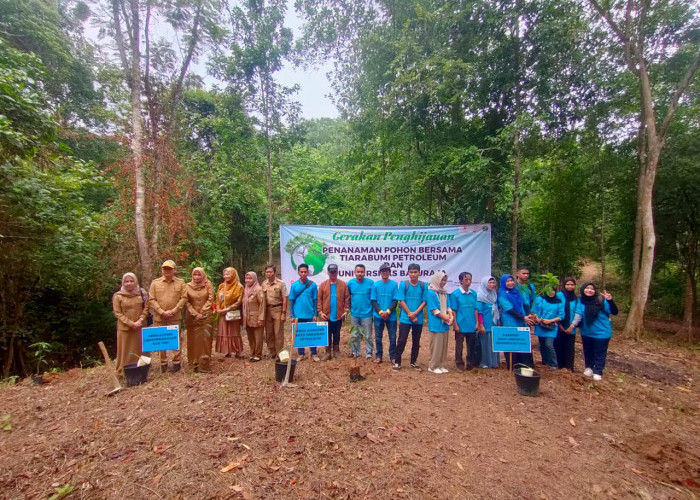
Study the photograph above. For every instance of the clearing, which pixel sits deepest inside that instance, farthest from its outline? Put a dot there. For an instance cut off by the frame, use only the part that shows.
(397, 435)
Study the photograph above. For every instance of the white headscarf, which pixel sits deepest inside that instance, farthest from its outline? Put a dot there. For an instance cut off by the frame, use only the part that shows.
(124, 291)
(436, 285)
(489, 297)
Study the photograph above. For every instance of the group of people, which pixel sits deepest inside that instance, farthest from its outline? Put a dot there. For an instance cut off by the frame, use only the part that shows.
(373, 306)
(260, 309)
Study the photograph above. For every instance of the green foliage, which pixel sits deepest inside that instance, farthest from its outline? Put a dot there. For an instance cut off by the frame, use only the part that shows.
(547, 283)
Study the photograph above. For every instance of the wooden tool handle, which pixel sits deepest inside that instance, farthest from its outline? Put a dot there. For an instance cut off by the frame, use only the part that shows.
(108, 361)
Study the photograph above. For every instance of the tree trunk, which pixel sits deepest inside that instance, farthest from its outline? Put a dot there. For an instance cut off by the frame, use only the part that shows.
(516, 203)
(136, 145)
(686, 332)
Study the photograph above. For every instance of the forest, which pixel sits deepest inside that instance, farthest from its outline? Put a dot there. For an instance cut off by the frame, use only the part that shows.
(133, 131)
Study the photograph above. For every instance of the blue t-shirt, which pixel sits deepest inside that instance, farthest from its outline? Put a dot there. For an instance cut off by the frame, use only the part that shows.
(548, 310)
(360, 298)
(507, 319)
(528, 293)
(384, 294)
(435, 324)
(486, 311)
(464, 304)
(304, 299)
(334, 302)
(572, 311)
(601, 327)
(413, 296)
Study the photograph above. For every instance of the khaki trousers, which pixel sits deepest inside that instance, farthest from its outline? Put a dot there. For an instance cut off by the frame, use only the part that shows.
(255, 339)
(176, 354)
(274, 330)
(438, 349)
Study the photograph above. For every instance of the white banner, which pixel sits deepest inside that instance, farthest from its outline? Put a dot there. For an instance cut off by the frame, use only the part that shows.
(452, 249)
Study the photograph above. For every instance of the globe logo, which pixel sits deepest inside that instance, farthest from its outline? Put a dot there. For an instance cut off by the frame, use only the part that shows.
(306, 249)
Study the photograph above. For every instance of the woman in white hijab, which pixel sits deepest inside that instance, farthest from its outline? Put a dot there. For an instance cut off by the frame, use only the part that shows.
(131, 309)
(440, 318)
(487, 305)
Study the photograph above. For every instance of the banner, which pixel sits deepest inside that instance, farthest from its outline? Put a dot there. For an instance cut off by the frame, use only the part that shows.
(511, 339)
(452, 249)
(160, 338)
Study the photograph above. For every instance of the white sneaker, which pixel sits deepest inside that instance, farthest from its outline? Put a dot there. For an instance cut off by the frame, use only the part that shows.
(597, 378)
(444, 370)
(436, 370)
(587, 372)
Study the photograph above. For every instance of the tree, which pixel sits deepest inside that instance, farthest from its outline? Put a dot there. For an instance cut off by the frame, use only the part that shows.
(260, 46)
(652, 38)
(154, 72)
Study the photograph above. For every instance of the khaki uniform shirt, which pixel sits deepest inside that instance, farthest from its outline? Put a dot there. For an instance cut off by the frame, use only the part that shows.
(167, 295)
(274, 293)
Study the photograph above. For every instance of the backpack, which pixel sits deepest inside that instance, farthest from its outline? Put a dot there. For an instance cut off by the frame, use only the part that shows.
(422, 286)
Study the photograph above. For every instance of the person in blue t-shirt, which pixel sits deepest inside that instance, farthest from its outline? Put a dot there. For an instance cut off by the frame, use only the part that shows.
(411, 296)
(384, 305)
(487, 303)
(440, 318)
(361, 313)
(593, 316)
(303, 295)
(526, 289)
(549, 309)
(463, 303)
(512, 313)
(564, 343)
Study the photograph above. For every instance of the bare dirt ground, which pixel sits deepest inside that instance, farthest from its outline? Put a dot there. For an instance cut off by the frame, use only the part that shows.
(395, 435)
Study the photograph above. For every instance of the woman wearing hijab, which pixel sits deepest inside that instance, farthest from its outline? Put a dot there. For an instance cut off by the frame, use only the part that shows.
(229, 297)
(487, 305)
(564, 343)
(549, 309)
(512, 311)
(440, 318)
(131, 310)
(254, 314)
(593, 314)
(200, 296)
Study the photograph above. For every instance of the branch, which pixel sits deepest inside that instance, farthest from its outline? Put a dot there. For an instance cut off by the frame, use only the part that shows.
(680, 89)
(119, 38)
(177, 87)
(622, 35)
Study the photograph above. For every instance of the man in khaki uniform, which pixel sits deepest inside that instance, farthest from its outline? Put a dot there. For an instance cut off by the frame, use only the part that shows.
(167, 296)
(276, 310)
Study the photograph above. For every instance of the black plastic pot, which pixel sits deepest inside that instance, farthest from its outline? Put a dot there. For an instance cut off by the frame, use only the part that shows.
(135, 375)
(281, 370)
(528, 385)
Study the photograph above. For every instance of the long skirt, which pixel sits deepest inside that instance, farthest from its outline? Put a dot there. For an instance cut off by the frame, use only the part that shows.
(228, 337)
(128, 347)
(199, 340)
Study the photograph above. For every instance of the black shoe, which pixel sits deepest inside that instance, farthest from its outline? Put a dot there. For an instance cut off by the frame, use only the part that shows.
(163, 368)
(175, 368)
(416, 367)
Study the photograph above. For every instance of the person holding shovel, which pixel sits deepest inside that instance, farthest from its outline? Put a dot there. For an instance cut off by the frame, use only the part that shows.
(303, 296)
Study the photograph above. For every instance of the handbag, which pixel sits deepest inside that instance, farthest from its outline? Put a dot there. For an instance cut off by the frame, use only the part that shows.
(233, 315)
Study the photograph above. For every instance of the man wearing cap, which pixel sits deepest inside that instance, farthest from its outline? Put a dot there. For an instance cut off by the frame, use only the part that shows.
(276, 310)
(333, 306)
(167, 296)
(384, 305)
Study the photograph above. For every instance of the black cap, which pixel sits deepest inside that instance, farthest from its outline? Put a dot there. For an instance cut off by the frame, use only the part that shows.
(332, 268)
(384, 267)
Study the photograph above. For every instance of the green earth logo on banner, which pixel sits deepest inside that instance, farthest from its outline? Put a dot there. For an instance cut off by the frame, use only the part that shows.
(306, 249)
